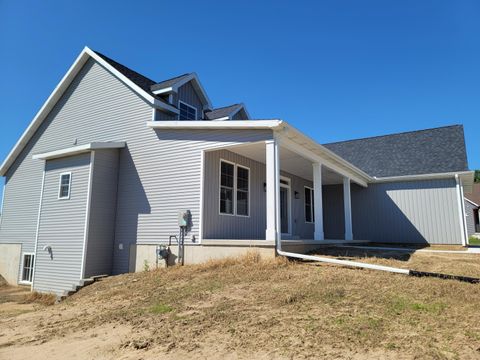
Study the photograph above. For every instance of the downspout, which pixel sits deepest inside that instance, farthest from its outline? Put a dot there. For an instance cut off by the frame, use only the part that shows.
(461, 213)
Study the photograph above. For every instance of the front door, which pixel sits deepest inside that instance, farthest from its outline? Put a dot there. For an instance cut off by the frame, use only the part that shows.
(285, 206)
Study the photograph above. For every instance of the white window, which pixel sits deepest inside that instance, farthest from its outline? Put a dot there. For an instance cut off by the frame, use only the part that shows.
(27, 268)
(187, 112)
(227, 173)
(234, 189)
(242, 190)
(309, 205)
(64, 187)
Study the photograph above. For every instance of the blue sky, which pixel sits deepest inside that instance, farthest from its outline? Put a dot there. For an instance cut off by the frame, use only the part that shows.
(335, 69)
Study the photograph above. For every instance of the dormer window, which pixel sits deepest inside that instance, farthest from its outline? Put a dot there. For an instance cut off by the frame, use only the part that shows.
(187, 112)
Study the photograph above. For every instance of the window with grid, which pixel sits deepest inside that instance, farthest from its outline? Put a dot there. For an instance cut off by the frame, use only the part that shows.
(309, 205)
(65, 181)
(27, 269)
(187, 112)
(242, 190)
(226, 187)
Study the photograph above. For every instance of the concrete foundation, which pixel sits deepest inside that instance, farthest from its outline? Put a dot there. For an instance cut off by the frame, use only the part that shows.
(145, 255)
(10, 262)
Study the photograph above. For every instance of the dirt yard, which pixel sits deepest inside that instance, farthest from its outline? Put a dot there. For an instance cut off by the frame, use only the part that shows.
(248, 308)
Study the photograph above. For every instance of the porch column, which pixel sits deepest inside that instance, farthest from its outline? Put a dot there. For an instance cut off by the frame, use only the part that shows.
(347, 208)
(272, 187)
(317, 201)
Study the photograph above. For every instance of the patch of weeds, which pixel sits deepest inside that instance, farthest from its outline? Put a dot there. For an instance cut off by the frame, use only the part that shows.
(293, 298)
(146, 267)
(473, 335)
(39, 298)
(400, 304)
(334, 295)
(161, 309)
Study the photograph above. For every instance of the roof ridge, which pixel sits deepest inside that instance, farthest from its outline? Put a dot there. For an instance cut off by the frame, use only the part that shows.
(224, 107)
(394, 134)
(173, 78)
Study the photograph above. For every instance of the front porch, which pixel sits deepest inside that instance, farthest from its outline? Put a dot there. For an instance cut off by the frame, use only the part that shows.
(257, 193)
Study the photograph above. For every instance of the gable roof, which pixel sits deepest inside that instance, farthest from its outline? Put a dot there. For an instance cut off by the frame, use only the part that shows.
(173, 84)
(129, 77)
(226, 112)
(474, 196)
(430, 151)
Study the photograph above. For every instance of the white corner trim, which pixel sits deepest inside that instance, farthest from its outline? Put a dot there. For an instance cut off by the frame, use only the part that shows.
(78, 150)
(202, 196)
(87, 214)
(38, 228)
(460, 208)
(234, 124)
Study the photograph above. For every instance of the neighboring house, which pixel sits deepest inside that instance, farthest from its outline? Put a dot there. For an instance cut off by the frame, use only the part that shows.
(471, 217)
(96, 181)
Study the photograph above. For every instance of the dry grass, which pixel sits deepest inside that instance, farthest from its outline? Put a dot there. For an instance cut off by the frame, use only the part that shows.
(250, 306)
(39, 298)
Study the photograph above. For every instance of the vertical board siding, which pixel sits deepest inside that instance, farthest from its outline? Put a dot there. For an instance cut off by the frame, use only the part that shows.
(103, 206)
(333, 212)
(470, 218)
(218, 226)
(188, 94)
(159, 171)
(407, 212)
(62, 225)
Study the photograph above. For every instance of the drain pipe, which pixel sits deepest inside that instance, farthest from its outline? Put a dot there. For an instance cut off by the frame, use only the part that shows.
(357, 264)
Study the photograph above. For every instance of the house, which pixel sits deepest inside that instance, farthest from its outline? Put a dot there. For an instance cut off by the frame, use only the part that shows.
(97, 179)
(471, 210)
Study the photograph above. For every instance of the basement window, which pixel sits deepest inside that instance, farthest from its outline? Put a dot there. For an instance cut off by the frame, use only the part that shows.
(64, 186)
(187, 112)
(27, 268)
(309, 205)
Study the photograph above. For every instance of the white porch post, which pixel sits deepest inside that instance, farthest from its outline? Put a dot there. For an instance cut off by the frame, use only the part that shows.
(317, 200)
(272, 187)
(347, 207)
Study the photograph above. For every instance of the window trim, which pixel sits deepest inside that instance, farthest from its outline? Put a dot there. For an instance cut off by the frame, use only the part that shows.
(60, 186)
(234, 197)
(235, 188)
(286, 183)
(26, 282)
(311, 205)
(190, 106)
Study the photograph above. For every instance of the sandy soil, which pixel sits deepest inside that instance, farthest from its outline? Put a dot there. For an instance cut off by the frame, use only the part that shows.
(247, 308)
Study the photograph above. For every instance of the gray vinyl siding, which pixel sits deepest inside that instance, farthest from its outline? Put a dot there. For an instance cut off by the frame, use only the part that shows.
(187, 94)
(62, 226)
(333, 212)
(101, 229)
(159, 171)
(217, 226)
(469, 217)
(407, 212)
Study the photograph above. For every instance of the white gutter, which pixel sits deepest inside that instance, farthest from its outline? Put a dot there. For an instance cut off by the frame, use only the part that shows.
(422, 176)
(74, 150)
(216, 125)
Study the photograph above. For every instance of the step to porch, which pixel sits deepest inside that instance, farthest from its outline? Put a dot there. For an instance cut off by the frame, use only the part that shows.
(81, 283)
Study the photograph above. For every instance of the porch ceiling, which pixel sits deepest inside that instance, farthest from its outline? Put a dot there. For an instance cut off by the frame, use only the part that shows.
(289, 162)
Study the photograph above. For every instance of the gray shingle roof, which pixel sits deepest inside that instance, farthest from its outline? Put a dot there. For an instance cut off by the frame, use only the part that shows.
(221, 112)
(427, 151)
(169, 82)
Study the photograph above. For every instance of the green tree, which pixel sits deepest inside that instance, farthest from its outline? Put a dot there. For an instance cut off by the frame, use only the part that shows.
(477, 176)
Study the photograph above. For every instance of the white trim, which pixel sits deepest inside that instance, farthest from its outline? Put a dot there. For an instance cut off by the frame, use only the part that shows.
(422, 176)
(222, 118)
(278, 230)
(21, 281)
(318, 233)
(347, 208)
(232, 124)
(312, 210)
(461, 214)
(163, 91)
(236, 189)
(464, 213)
(187, 105)
(202, 196)
(270, 208)
(87, 214)
(69, 173)
(220, 187)
(289, 204)
(470, 201)
(2, 204)
(38, 227)
(75, 150)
